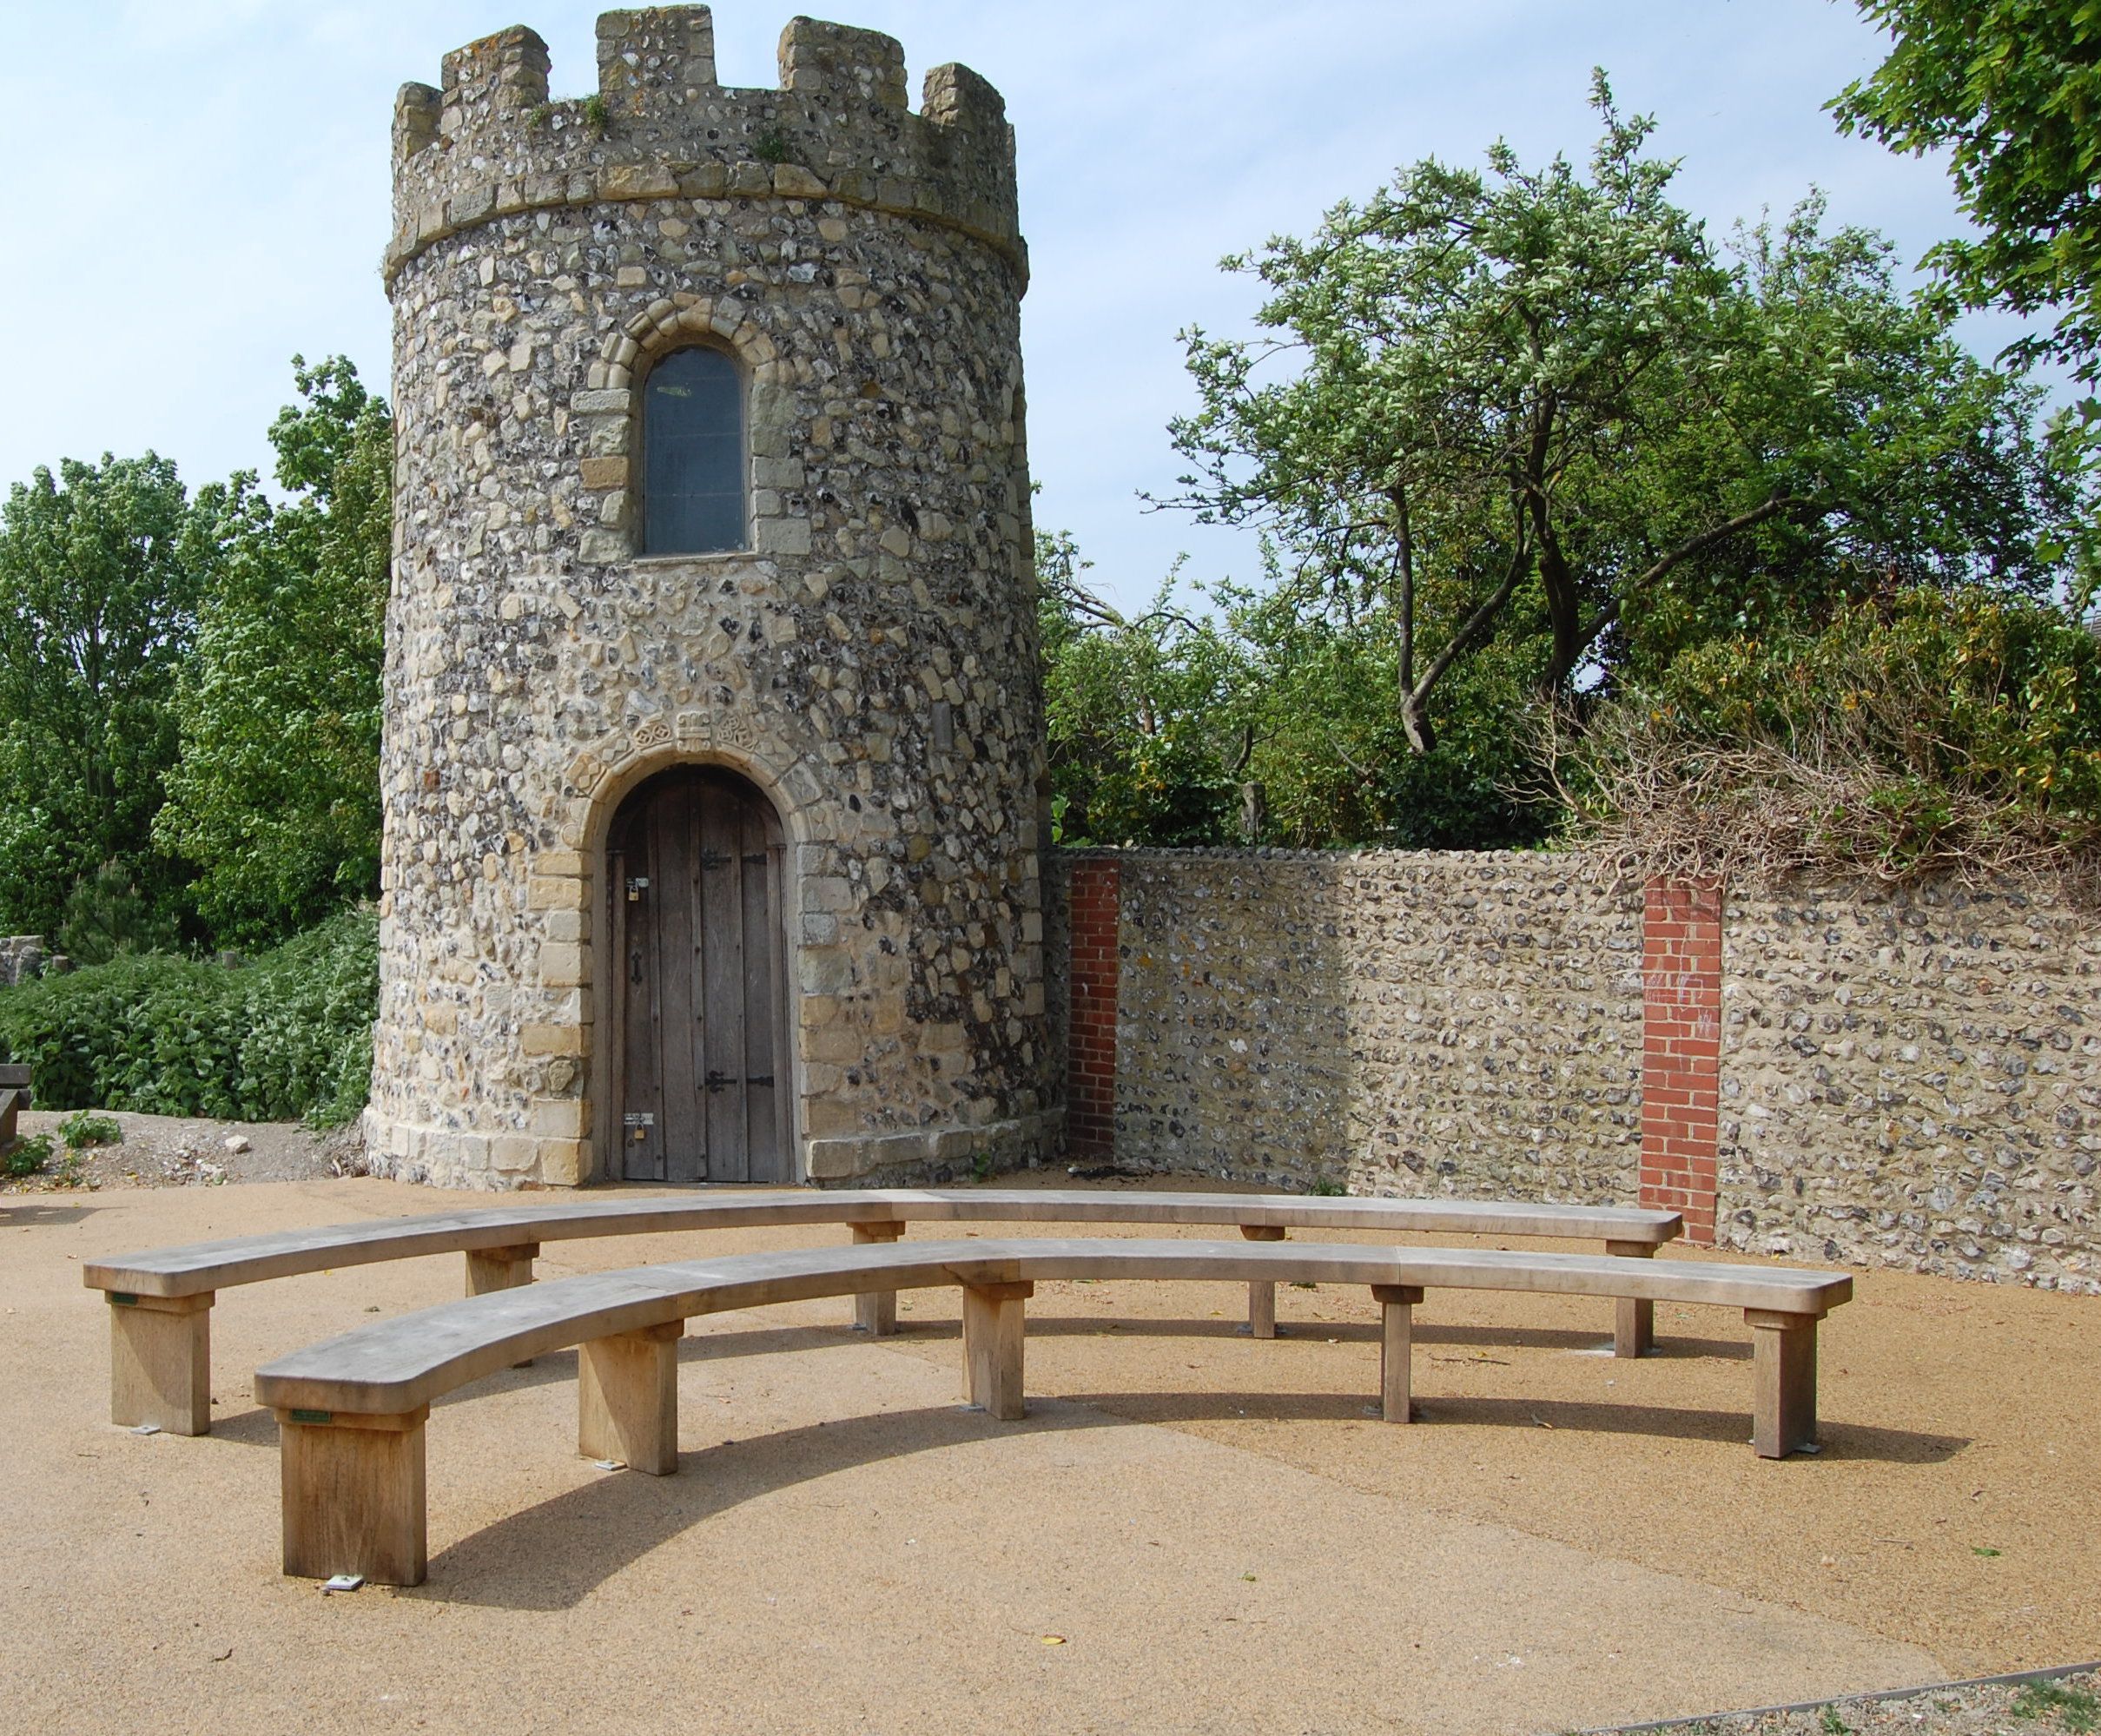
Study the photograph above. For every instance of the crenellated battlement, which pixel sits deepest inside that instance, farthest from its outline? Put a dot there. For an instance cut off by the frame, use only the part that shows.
(490, 143)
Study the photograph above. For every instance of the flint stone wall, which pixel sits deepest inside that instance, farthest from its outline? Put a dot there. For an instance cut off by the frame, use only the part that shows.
(869, 662)
(1454, 1023)
(1913, 1078)
(1907, 1079)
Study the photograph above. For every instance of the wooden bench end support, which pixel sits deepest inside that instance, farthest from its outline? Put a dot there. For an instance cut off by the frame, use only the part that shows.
(1634, 1321)
(161, 1361)
(875, 1311)
(354, 1494)
(993, 1328)
(1783, 1372)
(1262, 1292)
(1396, 1347)
(492, 1268)
(627, 1398)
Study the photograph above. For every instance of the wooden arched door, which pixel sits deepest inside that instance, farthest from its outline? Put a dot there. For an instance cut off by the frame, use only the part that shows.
(696, 866)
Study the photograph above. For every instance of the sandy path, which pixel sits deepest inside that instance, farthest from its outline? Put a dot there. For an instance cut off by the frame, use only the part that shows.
(846, 1549)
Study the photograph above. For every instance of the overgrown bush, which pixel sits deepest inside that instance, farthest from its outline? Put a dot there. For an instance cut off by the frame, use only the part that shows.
(288, 1035)
(85, 1128)
(1928, 735)
(26, 1157)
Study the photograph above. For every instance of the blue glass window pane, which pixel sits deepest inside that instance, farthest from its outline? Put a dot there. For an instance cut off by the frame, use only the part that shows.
(693, 455)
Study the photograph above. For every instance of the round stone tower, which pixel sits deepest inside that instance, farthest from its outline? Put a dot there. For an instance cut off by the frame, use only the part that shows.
(713, 858)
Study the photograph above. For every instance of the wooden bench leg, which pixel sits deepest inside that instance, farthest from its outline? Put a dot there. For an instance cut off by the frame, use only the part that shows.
(1262, 1292)
(875, 1311)
(1634, 1321)
(627, 1398)
(354, 1494)
(492, 1268)
(1783, 1369)
(991, 1347)
(161, 1361)
(1396, 1347)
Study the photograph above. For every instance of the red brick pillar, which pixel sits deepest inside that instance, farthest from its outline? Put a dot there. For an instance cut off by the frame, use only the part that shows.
(1681, 1050)
(1090, 1113)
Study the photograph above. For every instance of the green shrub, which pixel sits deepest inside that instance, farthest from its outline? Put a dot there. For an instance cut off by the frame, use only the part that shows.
(1926, 734)
(85, 1128)
(288, 1035)
(27, 1157)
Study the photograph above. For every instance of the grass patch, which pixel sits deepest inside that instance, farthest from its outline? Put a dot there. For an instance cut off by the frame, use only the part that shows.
(2074, 1708)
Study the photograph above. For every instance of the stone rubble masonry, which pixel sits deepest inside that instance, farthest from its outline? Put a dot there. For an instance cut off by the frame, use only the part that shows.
(23, 958)
(870, 661)
(1090, 1110)
(1863, 1076)
(1913, 1078)
(1680, 1050)
(1405, 1023)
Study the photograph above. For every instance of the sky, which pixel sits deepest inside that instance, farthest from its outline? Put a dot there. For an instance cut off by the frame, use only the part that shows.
(196, 190)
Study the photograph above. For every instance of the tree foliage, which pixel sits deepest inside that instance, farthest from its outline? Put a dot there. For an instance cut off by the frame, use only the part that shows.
(2012, 90)
(101, 567)
(189, 688)
(276, 795)
(1142, 713)
(1533, 419)
(1231, 717)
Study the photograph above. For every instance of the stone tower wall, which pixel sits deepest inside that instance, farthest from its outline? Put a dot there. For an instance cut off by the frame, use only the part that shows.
(870, 664)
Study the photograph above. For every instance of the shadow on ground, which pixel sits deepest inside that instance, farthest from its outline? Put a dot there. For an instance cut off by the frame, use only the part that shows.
(24, 1212)
(553, 1555)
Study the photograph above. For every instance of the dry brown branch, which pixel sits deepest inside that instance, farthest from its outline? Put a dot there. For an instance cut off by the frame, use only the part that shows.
(1828, 807)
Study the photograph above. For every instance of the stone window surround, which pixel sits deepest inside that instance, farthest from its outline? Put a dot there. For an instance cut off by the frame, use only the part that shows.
(608, 412)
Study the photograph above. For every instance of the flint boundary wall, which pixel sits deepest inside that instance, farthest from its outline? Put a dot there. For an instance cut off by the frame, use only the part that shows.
(1871, 1077)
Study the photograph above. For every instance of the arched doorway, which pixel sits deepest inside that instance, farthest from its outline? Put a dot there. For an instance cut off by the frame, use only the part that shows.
(702, 1076)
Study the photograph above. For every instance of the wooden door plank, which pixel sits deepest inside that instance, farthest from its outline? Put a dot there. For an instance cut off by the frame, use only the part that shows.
(672, 833)
(722, 917)
(763, 1072)
(642, 1094)
(618, 1069)
(777, 884)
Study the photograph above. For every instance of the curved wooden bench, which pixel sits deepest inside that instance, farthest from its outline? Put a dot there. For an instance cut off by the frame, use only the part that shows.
(353, 1409)
(159, 1316)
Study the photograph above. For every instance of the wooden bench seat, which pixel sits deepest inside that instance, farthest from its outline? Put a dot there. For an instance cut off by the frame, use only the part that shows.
(161, 1301)
(353, 1409)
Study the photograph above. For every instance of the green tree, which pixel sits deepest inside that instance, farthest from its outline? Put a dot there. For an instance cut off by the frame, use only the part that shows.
(275, 797)
(101, 568)
(1144, 714)
(2012, 90)
(1537, 418)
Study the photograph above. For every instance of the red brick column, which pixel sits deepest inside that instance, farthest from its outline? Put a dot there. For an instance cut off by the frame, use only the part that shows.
(1090, 1111)
(1681, 1050)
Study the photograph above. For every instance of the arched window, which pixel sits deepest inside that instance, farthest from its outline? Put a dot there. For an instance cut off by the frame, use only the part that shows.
(693, 455)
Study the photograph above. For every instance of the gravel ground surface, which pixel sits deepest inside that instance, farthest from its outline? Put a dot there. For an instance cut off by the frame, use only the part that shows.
(2069, 1703)
(1193, 1531)
(172, 1151)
